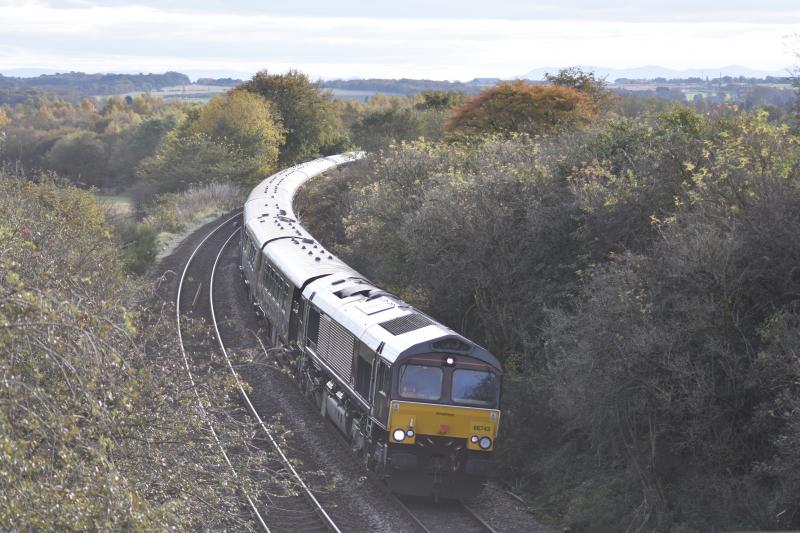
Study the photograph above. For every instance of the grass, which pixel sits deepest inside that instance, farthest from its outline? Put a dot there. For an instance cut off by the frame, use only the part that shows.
(120, 204)
(176, 215)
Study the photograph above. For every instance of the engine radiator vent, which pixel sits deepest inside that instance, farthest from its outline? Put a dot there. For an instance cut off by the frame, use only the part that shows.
(406, 323)
(336, 346)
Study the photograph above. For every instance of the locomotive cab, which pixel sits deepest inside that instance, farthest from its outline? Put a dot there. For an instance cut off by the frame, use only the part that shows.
(442, 425)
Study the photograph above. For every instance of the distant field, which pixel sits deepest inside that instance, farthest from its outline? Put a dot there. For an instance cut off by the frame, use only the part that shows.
(119, 204)
(191, 92)
(348, 94)
(203, 93)
(200, 93)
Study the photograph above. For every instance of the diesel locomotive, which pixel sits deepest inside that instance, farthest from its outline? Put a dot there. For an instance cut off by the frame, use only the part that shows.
(419, 402)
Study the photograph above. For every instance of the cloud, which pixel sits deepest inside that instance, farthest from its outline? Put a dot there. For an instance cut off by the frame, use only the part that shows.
(617, 10)
(111, 36)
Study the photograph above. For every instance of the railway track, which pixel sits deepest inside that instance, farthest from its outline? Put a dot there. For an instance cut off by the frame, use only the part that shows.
(444, 516)
(290, 506)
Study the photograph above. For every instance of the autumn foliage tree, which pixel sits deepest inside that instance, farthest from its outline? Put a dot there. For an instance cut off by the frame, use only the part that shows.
(246, 120)
(307, 113)
(585, 82)
(520, 107)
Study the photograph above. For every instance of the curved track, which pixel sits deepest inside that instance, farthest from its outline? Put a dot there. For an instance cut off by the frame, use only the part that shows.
(284, 501)
(297, 509)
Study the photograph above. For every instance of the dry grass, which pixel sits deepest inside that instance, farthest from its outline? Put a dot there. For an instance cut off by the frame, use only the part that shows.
(175, 215)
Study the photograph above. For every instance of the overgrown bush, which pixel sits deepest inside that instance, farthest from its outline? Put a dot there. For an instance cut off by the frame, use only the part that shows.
(639, 280)
(98, 429)
(138, 245)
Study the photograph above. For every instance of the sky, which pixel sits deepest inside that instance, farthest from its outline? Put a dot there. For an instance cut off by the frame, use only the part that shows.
(436, 39)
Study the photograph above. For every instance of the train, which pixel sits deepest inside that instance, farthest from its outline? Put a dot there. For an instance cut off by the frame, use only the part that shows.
(416, 400)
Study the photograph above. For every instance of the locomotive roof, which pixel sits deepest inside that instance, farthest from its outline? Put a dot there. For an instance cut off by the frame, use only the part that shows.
(270, 221)
(385, 323)
(382, 321)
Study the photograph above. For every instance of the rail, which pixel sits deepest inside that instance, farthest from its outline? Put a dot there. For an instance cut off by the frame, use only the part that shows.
(203, 411)
(324, 516)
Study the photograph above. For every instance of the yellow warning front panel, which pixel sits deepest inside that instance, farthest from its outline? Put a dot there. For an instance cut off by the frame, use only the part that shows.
(444, 421)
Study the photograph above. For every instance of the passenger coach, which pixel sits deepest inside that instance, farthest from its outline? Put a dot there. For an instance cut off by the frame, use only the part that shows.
(418, 401)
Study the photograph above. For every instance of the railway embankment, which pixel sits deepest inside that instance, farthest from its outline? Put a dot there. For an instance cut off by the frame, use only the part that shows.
(97, 427)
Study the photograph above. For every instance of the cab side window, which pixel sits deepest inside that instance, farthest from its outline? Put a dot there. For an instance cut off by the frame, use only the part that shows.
(380, 399)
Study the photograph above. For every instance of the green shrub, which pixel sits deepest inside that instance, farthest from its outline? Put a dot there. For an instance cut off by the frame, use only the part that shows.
(138, 245)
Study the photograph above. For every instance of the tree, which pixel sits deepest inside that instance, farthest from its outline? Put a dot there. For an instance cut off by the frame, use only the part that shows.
(98, 430)
(379, 129)
(136, 145)
(81, 156)
(521, 107)
(194, 159)
(308, 115)
(440, 100)
(585, 82)
(246, 120)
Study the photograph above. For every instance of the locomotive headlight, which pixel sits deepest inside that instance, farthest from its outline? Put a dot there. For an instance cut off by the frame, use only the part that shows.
(410, 433)
(485, 443)
(399, 434)
(474, 439)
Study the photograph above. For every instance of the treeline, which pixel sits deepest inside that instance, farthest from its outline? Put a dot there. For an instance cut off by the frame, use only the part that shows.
(75, 85)
(634, 265)
(777, 101)
(146, 148)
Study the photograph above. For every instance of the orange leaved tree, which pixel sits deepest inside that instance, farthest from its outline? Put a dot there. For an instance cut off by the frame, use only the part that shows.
(520, 107)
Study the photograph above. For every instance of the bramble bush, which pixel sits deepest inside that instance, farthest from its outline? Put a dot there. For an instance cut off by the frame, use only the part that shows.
(98, 429)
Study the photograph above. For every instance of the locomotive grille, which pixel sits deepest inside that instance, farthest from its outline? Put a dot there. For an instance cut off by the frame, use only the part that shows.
(406, 323)
(335, 346)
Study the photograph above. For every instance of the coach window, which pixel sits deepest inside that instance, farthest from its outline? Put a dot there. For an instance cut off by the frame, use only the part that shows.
(312, 331)
(284, 296)
(265, 278)
(251, 255)
(271, 283)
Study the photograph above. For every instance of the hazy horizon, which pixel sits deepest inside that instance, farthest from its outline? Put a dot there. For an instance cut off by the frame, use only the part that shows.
(449, 40)
(641, 72)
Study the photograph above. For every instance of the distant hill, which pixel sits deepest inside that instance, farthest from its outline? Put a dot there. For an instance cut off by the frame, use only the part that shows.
(650, 72)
